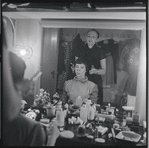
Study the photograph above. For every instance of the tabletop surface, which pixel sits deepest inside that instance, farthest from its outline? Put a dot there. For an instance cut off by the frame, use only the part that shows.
(78, 140)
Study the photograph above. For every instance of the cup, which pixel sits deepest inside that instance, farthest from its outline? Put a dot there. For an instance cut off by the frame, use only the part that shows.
(50, 110)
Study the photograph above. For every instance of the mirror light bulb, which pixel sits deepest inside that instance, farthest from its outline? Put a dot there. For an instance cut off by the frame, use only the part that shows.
(23, 52)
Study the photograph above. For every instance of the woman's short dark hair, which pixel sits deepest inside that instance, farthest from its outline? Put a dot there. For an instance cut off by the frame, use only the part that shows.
(80, 61)
(94, 31)
(18, 67)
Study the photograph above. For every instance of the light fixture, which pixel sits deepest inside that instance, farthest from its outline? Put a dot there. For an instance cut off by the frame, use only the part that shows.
(23, 52)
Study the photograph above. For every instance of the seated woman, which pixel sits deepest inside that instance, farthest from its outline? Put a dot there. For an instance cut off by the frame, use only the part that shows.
(80, 85)
(18, 130)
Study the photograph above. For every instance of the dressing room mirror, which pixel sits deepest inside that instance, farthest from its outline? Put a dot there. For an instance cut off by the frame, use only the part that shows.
(120, 42)
(113, 42)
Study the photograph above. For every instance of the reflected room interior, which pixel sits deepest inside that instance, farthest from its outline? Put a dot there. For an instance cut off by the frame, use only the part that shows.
(113, 42)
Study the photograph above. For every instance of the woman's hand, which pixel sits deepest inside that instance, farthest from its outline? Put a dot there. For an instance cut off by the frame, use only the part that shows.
(97, 71)
(93, 71)
(53, 133)
(27, 87)
(101, 71)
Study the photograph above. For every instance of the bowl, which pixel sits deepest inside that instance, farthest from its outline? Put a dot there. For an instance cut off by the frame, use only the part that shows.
(128, 137)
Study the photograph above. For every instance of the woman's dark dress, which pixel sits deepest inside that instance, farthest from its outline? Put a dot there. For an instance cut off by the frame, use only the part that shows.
(92, 57)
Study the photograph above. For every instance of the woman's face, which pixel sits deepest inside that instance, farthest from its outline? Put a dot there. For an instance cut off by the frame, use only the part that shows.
(91, 38)
(80, 70)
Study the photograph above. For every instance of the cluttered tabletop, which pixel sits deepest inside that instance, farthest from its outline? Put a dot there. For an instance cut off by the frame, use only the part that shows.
(88, 124)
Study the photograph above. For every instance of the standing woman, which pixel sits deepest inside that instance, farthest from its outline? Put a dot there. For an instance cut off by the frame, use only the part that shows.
(95, 59)
(96, 62)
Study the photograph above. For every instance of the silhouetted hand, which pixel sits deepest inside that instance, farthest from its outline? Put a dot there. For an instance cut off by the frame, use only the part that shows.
(53, 133)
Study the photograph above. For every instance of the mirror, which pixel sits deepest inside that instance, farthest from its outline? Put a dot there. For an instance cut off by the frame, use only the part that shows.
(114, 43)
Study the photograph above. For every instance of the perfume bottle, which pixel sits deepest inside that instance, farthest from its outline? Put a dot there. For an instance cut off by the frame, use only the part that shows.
(83, 113)
(91, 113)
(60, 117)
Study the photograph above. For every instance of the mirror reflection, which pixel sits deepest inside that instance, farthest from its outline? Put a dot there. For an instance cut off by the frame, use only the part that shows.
(120, 49)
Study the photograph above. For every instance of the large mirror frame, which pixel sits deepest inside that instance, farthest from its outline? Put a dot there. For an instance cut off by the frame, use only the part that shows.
(97, 20)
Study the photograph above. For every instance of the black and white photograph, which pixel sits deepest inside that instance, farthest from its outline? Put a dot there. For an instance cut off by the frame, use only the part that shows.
(74, 73)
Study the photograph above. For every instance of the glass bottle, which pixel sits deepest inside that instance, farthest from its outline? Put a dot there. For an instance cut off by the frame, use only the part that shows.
(79, 101)
(83, 113)
(60, 118)
(91, 114)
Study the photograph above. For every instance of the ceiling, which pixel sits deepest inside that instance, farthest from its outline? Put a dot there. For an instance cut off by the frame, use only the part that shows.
(45, 10)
